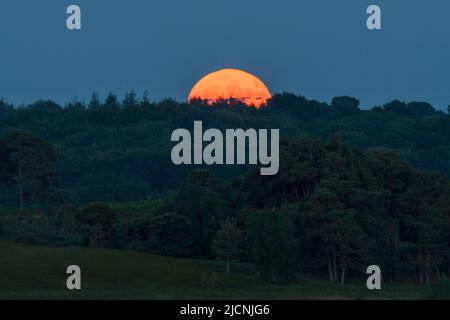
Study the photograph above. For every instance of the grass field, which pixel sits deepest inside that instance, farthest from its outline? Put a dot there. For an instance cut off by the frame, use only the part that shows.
(28, 272)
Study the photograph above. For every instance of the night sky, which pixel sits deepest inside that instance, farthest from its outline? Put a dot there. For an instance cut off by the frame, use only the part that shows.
(316, 48)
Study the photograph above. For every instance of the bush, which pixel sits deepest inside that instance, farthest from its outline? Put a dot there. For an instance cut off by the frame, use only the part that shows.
(95, 222)
(44, 230)
(171, 235)
(131, 233)
(165, 234)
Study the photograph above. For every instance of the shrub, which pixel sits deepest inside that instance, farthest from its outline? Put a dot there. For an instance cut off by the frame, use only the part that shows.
(44, 230)
(170, 234)
(95, 222)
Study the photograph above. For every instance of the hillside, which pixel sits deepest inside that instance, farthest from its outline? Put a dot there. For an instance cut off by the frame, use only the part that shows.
(29, 272)
(101, 176)
(120, 150)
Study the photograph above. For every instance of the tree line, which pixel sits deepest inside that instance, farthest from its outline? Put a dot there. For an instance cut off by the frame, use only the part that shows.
(119, 149)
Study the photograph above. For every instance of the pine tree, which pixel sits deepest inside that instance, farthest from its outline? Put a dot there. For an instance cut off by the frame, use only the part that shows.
(33, 163)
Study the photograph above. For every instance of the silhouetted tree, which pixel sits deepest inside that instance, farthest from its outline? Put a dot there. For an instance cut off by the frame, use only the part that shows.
(32, 163)
(96, 221)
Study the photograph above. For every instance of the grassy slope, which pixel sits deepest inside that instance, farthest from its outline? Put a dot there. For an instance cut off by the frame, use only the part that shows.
(39, 272)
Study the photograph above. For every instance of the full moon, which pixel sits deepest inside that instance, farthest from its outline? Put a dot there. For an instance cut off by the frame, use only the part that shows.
(231, 84)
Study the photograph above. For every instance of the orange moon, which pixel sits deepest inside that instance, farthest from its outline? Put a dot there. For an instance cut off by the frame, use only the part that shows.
(231, 84)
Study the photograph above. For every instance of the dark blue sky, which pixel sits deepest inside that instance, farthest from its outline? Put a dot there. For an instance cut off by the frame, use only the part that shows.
(317, 48)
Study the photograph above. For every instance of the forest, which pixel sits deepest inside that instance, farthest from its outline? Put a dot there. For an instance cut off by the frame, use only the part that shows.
(355, 187)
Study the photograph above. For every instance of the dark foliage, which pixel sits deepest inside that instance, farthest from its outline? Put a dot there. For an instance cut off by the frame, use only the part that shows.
(366, 192)
(120, 151)
(95, 222)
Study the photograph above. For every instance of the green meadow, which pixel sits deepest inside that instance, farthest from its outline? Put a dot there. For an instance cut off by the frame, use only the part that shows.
(34, 272)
